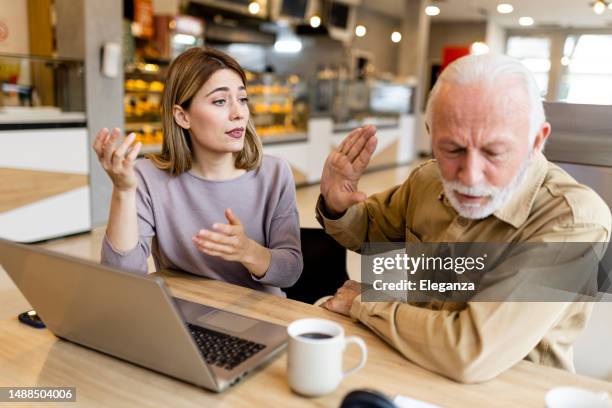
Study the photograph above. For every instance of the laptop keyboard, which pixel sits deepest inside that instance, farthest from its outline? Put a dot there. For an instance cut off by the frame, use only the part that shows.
(223, 350)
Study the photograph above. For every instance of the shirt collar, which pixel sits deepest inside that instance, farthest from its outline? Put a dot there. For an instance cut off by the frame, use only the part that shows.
(516, 211)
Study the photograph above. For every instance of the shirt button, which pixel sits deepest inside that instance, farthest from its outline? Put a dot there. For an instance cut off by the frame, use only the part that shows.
(462, 221)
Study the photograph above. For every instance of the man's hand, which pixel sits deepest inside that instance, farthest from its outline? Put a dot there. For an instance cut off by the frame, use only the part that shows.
(343, 299)
(343, 169)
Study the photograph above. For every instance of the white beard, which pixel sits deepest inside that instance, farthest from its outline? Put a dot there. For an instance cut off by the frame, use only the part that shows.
(498, 196)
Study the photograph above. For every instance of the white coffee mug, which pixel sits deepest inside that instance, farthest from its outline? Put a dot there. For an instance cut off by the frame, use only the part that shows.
(574, 397)
(316, 347)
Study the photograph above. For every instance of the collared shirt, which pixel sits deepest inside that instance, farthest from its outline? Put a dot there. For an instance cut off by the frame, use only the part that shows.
(476, 341)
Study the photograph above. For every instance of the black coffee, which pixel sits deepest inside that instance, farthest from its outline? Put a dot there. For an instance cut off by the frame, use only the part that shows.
(315, 335)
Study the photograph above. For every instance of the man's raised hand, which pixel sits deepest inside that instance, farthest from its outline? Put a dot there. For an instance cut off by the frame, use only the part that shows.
(343, 169)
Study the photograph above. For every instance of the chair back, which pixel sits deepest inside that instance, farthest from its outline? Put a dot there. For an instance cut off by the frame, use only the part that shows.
(324, 267)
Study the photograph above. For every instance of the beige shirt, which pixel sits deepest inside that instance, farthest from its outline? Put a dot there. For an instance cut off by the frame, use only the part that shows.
(476, 341)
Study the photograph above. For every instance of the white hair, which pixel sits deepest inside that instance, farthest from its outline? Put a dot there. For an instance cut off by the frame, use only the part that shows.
(489, 70)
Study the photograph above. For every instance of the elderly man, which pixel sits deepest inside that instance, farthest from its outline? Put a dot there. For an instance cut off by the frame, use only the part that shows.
(489, 182)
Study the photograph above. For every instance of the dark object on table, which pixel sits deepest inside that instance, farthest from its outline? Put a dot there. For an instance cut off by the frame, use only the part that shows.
(366, 399)
(31, 318)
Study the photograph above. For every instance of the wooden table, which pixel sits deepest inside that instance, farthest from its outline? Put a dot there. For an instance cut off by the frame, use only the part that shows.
(31, 357)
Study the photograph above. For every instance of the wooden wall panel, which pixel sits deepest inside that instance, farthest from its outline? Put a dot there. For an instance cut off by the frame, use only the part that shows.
(41, 44)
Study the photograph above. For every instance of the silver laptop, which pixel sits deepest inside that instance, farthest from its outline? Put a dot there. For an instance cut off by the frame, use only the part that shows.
(134, 317)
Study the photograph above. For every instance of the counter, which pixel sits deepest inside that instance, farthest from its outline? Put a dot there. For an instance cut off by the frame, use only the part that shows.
(307, 157)
(44, 174)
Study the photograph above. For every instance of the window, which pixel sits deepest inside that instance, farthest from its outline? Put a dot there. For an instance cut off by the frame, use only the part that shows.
(587, 70)
(534, 53)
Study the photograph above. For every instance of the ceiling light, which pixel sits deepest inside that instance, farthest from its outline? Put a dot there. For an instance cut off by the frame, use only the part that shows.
(526, 21)
(565, 61)
(254, 7)
(315, 21)
(360, 31)
(288, 46)
(479, 48)
(599, 7)
(185, 39)
(505, 8)
(432, 10)
(396, 37)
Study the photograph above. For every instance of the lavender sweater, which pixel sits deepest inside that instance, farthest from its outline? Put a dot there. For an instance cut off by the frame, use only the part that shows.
(171, 210)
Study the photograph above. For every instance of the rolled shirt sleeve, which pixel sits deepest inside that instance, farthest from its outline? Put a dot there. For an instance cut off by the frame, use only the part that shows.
(483, 339)
(471, 345)
(381, 218)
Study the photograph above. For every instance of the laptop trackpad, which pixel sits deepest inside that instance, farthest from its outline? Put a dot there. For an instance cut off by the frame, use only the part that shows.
(227, 321)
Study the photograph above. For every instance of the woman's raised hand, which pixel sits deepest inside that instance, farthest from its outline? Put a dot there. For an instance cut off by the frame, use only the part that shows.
(118, 161)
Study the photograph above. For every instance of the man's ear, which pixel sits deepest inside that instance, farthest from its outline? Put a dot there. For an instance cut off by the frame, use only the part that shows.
(181, 117)
(540, 139)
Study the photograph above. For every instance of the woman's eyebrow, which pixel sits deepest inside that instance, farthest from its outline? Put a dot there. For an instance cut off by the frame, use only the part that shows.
(224, 89)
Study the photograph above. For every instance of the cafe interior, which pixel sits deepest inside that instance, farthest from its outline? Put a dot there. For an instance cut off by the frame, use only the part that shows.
(315, 70)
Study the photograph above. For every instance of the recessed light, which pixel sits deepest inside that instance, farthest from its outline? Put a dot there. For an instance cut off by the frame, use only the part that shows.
(315, 21)
(288, 46)
(360, 31)
(479, 48)
(254, 7)
(526, 21)
(599, 7)
(396, 37)
(432, 10)
(505, 8)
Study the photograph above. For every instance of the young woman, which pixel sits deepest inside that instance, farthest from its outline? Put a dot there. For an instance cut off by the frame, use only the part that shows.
(210, 203)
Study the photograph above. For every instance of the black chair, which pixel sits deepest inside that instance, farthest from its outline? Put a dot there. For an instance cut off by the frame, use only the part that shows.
(324, 267)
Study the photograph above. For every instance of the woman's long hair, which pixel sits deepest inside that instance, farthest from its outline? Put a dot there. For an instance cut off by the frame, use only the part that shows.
(186, 76)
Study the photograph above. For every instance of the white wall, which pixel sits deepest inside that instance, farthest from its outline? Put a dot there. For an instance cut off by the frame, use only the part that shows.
(377, 40)
(14, 15)
(495, 37)
(593, 349)
(316, 51)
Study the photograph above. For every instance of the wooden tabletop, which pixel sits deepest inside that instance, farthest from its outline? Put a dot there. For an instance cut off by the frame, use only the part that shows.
(32, 357)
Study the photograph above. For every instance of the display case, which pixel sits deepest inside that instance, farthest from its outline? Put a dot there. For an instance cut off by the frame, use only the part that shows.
(352, 101)
(144, 86)
(278, 106)
(44, 167)
(35, 84)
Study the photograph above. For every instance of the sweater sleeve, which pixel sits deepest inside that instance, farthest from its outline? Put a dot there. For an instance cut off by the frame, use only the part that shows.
(135, 260)
(284, 237)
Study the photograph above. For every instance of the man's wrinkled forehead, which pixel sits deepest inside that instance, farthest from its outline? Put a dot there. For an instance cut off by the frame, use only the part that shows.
(487, 104)
(508, 89)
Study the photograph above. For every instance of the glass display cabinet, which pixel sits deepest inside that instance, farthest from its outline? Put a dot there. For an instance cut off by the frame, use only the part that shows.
(44, 148)
(278, 106)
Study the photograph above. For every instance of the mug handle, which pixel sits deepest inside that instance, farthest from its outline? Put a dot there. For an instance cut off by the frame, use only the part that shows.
(364, 353)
